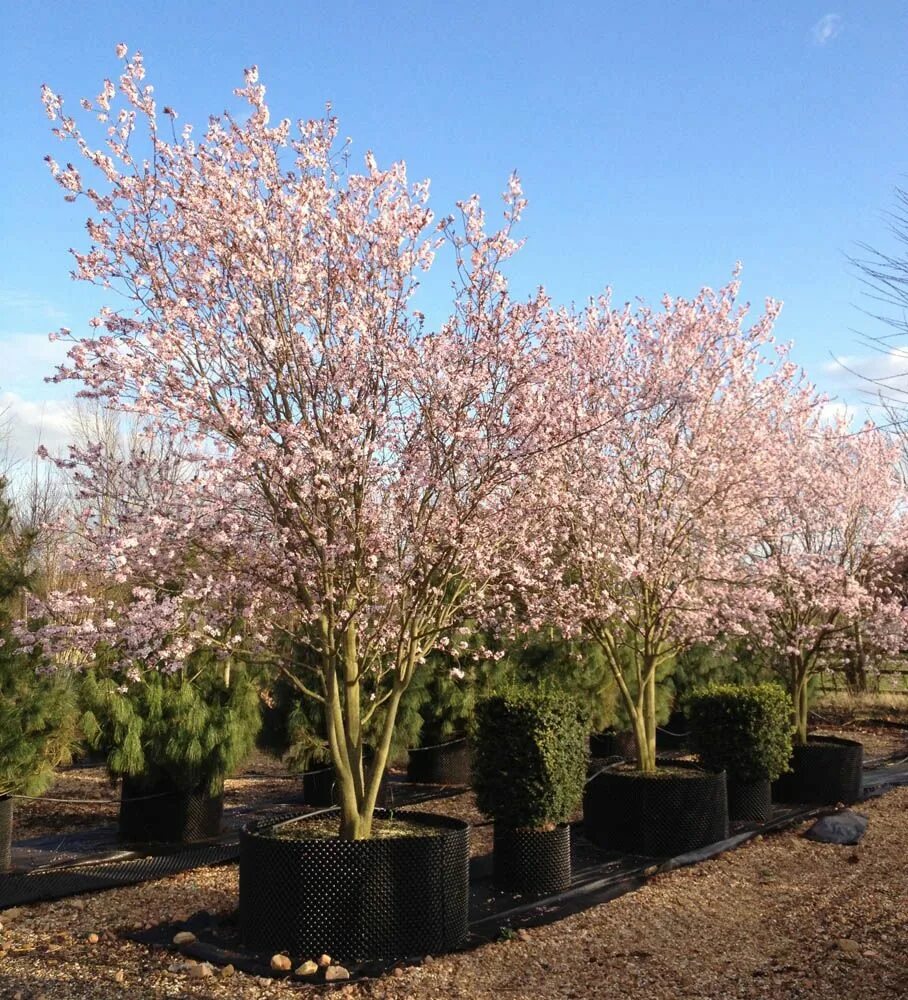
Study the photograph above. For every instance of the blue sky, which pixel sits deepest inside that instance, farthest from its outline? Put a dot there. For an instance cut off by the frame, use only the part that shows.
(658, 141)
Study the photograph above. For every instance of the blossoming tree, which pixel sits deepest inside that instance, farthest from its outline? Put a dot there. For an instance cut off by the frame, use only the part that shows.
(827, 551)
(358, 478)
(647, 535)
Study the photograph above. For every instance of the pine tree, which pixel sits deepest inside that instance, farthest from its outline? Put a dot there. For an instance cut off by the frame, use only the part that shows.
(192, 728)
(37, 711)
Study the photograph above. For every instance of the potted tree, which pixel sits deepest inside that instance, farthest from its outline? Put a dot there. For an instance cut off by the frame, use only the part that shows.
(355, 479)
(745, 731)
(172, 739)
(529, 771)
(647, 526)
(824, 565)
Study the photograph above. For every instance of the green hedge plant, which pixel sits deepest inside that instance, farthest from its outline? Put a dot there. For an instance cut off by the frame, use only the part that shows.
(745, 730)
(529, 758)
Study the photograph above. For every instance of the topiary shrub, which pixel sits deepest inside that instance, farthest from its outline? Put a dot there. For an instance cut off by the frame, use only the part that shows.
(530, 758)
(745, 730)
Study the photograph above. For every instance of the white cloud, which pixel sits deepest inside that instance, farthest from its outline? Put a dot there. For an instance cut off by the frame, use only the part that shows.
(26, 424)
(13, 300)
(27, 359)
(826, 29)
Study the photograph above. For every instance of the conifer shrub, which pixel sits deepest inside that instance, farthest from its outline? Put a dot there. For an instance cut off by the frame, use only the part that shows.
(192, 728)
(38, 725)
(38, 716)
(529, 757)
(745, 730)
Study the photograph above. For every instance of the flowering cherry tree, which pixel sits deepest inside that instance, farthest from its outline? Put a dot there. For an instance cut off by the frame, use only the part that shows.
(350, 480)
(827, 550)
(647, 535)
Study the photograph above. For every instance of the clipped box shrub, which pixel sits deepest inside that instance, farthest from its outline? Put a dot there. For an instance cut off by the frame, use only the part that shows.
(745, 730)
(530, 758)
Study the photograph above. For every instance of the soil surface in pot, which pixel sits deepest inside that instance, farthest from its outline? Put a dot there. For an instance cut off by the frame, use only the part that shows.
(663, 771)
(326, 829)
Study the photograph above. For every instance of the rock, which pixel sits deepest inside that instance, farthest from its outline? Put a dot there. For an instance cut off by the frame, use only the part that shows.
(397, 972)
(201, 971)
(227, 971)
(183, 937)
(335, 972)
(78, 904)
(324, 961)
(119, 976)
(846, 827)
(281, 963)
(13, 912)
(179, 968)
(307, 969)
(848, 946)
(523, 934)
(92, 938)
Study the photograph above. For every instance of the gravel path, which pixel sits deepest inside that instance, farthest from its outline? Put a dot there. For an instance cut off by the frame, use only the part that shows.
(779, 918)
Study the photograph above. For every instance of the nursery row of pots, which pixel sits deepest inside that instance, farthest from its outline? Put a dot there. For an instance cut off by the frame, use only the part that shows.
(408, 895)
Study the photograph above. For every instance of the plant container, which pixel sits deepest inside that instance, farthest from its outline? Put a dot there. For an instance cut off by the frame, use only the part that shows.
(610, 743)
(532, 862)
(675, 734)
(825, 770)
(320, 787)
(657, 815)
(749, 801)
(160, 812)
(383, 898)
(6, 831)
(443, 764)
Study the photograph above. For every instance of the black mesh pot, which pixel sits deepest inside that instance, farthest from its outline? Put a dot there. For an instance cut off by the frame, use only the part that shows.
(660, 815)
(825, 770)
(159, 812)
(612, 744)
(365, 899)
(532, 862)
(445, 764)
(6, 831)
(674, 734)
(320, 788)
(749, 801)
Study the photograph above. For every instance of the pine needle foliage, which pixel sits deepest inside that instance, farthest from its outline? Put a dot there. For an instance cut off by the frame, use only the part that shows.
(192, 728)
(37, 711)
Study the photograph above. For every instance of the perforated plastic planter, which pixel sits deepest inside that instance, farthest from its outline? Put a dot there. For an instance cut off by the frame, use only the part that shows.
(749, 801)
(674, 735)
(444, 764)
(159, 812)
(383, 898)
(612, 744)
(661, 815)
(532, 862)
(320, 787)
(825, 770)
(6, 831)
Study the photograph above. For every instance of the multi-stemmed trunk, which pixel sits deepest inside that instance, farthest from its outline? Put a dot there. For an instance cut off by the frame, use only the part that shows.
(640, 705)
(799, 675)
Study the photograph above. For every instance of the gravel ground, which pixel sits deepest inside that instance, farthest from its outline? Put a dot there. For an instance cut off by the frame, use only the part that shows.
(779, 918)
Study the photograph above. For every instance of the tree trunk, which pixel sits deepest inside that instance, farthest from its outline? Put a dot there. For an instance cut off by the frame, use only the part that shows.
(855, 664)
(798, 673)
